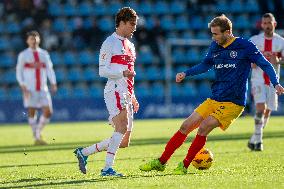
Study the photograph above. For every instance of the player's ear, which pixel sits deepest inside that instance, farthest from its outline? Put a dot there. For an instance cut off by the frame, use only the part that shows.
(275, 24)
(227, 32)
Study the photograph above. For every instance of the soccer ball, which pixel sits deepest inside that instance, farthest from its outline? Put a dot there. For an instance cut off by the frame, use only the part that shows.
(203, 159)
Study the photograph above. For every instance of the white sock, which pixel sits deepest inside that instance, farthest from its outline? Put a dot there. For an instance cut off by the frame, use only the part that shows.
(114, 143)
(258, 133)
(41, 124)
(33, 124)
(258, 128)
(98, 147)
(265, 121)
(252, 139)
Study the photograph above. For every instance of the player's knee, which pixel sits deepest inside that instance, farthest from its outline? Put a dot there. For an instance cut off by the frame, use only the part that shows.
(184, 127)
(259, 118)
(47, 113)
(202, 130)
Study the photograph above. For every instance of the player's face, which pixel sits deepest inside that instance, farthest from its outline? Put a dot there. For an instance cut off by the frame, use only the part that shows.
(218, 36)
(268, 25)
(129, 28)
(33, 41)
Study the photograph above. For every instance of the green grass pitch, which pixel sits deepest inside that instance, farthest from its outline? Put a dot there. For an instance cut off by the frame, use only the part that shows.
(23, 165)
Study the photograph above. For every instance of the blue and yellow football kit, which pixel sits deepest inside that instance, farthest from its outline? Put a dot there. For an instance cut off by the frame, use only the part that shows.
(231, 64)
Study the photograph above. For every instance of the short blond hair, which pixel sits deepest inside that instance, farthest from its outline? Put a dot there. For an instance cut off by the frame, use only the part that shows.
(223, 22)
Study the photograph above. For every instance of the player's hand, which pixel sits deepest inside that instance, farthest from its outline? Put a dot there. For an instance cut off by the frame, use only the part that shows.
(273, 59)
(53, 88)
(26, 92)
(135, 104)
(128, 73)
(180, 77)
(279, 89)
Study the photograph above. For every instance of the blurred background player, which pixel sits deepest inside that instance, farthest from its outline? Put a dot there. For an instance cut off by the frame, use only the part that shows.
(230, 57)
(117, 57)
(272, 46)
(33, 68)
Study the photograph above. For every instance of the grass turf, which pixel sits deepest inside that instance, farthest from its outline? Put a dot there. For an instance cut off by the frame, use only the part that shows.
(23, 165)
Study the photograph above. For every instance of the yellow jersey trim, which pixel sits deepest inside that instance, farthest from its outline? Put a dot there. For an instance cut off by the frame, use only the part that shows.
(229, 42)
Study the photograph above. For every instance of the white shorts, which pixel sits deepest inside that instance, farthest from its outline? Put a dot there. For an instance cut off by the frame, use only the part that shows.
(265, 94)
(115, 102)
(38, 99)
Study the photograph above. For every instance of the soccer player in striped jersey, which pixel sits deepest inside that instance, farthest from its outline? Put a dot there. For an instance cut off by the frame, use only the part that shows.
(272, 46)
(231, 58)
(33, 68)
(117, 57)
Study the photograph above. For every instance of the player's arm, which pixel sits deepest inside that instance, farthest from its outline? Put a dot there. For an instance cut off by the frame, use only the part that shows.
(105, 69)
(135, 103)
(204, 66)
(19, 70)
(50, 73)
(281, 60)
(20, 77)
(256, 56)
(253, 39)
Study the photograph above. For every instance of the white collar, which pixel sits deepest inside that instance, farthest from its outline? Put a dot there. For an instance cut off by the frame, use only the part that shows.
(37, 49)
(118, 36)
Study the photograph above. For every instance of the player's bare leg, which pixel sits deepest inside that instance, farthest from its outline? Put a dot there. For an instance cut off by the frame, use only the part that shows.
(126, 140)
(205, 127)
(32, 119)
(266, 117)
(83, 153)
(191, 123)
(120, 121)
(43, 120)
(255, 142)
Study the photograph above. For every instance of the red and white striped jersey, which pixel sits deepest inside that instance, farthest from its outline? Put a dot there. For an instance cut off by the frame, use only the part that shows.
(33, 68)
(274, 45)
(117, 54)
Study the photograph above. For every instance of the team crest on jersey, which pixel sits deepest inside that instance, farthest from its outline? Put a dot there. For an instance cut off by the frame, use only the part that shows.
(103, 56)
(233, 54)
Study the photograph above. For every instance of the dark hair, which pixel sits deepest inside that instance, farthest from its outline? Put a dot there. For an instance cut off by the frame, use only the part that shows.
(223, 22)
(33, 33)
(269, 15)
(125, 14)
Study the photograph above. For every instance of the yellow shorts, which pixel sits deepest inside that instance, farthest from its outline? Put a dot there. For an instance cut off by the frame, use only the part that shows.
(225, 112)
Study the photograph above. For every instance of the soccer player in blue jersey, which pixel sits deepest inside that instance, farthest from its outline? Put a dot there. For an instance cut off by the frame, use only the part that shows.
(231, 58)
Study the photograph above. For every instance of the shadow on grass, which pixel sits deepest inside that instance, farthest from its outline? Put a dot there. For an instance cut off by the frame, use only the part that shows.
(81, 181)
(135, 142)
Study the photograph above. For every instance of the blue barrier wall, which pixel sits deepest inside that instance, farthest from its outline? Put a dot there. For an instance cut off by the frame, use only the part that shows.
(94, 109)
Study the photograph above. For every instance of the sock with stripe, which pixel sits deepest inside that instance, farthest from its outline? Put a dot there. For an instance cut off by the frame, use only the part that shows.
(174, 143)
(98, 147)
(33, 123)
(41, 124)
(265, 121)
(194, 148)
(114, 143)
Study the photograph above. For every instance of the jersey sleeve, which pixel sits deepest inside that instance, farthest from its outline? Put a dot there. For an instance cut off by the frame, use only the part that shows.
(105, 69)
(253, 39)
(257, 57)
(50, 70)
(204, 66)
(282, 50)
(19, 69)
